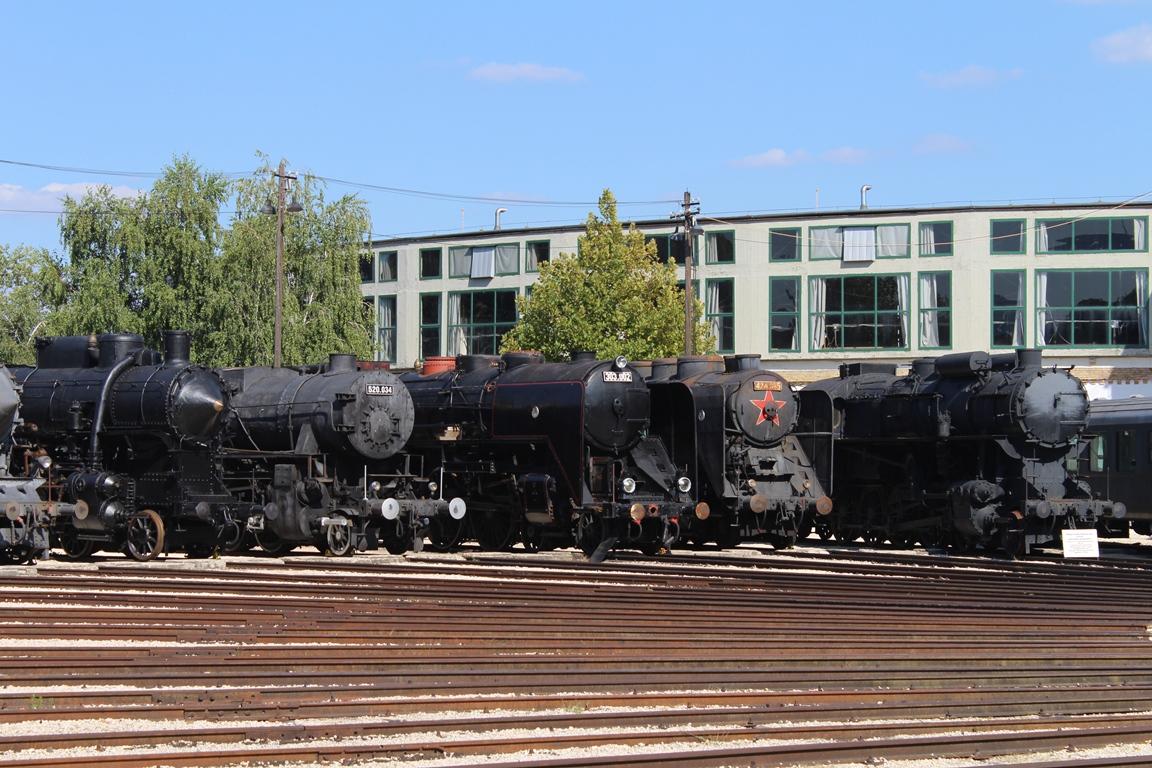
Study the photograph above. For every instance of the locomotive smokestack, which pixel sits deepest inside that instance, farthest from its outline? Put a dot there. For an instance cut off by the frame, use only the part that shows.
(734, 363)
(176, 346)
(341, 362)
(1029, 358)
(582, 356)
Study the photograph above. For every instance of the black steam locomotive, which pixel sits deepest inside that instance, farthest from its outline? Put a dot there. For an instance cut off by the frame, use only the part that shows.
(967, 449)
(317, 456)
(550, 453)
(134, 439)
(731, 423)
(27, 518)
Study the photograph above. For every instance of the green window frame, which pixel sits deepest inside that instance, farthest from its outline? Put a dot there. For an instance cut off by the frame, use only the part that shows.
(533, 251)
(386, 328)
(1092, 308)
(1008, 297)
(477, 320)
(367, 268)
(936, 301)
(858, 312)
(937, 238)
(784, 244)
(784, 314)
(431, 263)
(720, 247)
(1113, 234)
(1007, 237)
(669, 247)
(431, 324)
(837, 242)
(386, 264)
(720, 311)
(505, 260)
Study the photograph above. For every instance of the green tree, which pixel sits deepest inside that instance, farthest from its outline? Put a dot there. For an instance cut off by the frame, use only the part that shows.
(142, 264)
(323, 309)
(612, 297)
(31, 287)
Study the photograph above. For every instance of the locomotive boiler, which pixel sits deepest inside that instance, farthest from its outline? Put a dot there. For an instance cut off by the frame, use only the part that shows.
(132, 434)
(731, 423)
(317, 454)
(551, 453)
(967, 449)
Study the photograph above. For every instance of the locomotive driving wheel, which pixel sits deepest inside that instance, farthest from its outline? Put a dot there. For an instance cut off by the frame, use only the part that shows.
(273, 544)
(74, 547)
(339, 536)
(144, 539)
(495, 529)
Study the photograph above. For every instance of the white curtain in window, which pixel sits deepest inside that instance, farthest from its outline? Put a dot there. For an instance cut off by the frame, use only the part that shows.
(483, 262)
(816, 304)
(927, 239)
(1042, 317)
(902, 288)
(457, 339)
(1142, 303)
(826, 243)
(1139, 233)
(929, 330)
(1042, 237)
(459, 261)
(859, 243)
(711, 308)
(892, 241)
(387, 261)
(530, 262)
(508, 259)
(1018, 326)
(386, 319)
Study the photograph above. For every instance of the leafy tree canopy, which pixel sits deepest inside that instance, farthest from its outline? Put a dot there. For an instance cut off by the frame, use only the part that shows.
(163, 260)
(31, 287)
(612, 297)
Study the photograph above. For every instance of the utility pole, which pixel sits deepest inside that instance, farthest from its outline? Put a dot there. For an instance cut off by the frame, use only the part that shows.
(283, 177)
(688, 221)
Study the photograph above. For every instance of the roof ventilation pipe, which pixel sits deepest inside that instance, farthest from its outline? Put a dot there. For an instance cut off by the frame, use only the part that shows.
(863, 197)
(499, 211)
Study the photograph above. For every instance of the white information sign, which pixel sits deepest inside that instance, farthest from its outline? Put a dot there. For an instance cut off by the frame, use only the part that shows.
(1081, 543)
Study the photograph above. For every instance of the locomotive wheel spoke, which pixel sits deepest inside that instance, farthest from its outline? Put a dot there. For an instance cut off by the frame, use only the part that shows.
(145, 537)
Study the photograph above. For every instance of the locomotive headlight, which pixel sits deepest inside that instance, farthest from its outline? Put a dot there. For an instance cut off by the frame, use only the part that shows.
(637, 512)
(684, 484)
(621, 363)
(433, 487)
(628, 484)
(45, 462)
(375, 487)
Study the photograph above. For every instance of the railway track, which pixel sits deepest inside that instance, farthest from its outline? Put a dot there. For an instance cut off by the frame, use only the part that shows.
(696, 660)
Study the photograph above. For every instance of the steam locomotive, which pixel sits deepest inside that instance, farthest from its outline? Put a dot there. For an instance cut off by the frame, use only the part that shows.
(134, 438)
(731, 423)
(967, 449)
(27, 518)
(550, 454)
(316, 454)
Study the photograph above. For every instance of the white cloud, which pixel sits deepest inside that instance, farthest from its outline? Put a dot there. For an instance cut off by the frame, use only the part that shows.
(972, 76)
(845, 155)
(773, 158)
(940, 144)
(48, 197)
(1126, 46)
(506, 73)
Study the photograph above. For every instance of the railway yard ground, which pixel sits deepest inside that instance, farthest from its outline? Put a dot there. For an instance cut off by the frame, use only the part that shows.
(821, 655)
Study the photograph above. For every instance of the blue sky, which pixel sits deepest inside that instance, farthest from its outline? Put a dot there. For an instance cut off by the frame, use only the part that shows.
(753, 106)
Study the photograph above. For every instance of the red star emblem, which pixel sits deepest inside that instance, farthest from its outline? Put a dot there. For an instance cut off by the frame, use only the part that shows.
(763, 406)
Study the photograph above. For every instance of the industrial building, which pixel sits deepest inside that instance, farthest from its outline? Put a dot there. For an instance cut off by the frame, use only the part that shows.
(810, 290)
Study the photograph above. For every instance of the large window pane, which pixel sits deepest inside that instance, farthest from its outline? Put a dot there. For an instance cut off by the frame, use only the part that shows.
(1008, 236)
(1091, 235)
(1093, 307)
(720, 247)
(859, 293)
(430, 260)
(1123, 235)
(874, 314)
(476, 320)
(429, 325)
(784, 294)
(784, 318)
(784, 245)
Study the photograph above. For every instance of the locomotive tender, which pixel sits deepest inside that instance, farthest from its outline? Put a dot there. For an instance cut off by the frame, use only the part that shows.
(731, 423)
(551, 453)
(133, 437)
(317, 455)
(967, 449)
